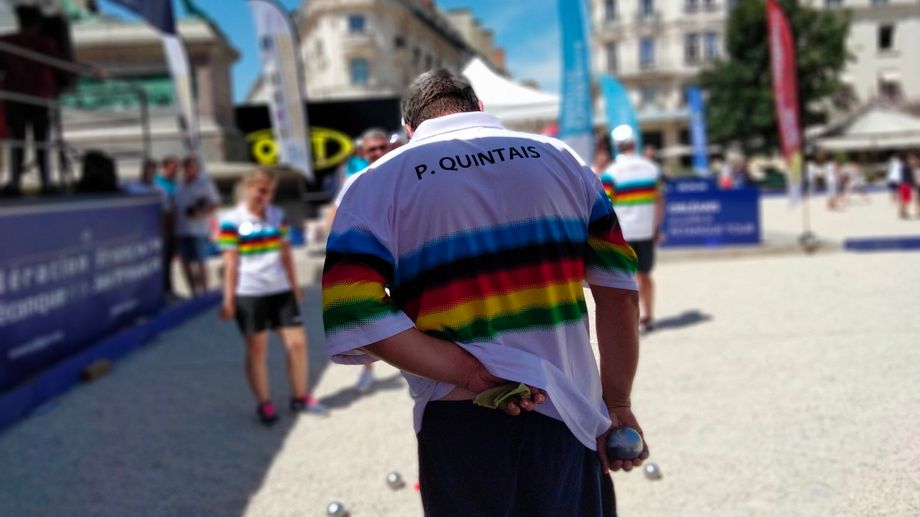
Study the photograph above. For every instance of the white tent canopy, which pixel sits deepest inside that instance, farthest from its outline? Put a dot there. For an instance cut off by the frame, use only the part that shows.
(877, 128)
(507, 100)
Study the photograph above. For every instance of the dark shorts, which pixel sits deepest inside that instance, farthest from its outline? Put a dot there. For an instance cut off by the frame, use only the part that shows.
(645, 253)
(475, 461)
(193, 249)
(255, 314)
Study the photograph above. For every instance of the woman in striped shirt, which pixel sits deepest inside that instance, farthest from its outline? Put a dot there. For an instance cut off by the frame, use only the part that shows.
(261, 291)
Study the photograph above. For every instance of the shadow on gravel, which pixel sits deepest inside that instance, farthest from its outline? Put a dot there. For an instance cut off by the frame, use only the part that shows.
(685, 319)
(171, 430)
(345, 397)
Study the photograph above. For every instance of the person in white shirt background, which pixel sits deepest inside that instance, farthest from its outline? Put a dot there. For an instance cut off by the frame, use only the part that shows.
(639, 204)
(893, 176)
(195, 200)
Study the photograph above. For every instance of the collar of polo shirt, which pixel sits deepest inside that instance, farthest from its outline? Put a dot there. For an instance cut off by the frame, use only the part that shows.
(447, 123)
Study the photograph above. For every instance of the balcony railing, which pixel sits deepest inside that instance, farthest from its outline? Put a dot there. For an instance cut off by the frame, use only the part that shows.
(700, 7)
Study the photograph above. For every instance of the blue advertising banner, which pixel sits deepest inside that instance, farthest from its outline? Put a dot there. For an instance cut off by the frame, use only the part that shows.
(576, 115)
(698, 131)
(699, 213)
(619, 108)
(72, 273)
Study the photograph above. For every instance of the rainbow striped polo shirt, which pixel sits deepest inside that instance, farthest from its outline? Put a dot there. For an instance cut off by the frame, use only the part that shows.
(631, 182)
(258, 240)
(485, 237)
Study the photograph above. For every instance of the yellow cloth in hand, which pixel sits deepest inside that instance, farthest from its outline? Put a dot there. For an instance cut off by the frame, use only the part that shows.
(497, 397)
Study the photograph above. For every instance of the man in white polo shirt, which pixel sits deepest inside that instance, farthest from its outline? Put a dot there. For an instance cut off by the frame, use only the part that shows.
(632, 181)
(460, 258)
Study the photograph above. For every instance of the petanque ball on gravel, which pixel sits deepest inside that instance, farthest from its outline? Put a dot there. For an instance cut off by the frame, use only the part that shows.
(652, 472)
(624, 443)
(395, 480)
(336, 509)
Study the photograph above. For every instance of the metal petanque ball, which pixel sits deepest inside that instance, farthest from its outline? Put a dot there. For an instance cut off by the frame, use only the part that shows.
(624, 443)
(336, 509)
(652, 472)
(395, 480)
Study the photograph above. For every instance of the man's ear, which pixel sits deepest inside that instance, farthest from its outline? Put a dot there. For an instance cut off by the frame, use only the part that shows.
(479, 104)
(408, 130)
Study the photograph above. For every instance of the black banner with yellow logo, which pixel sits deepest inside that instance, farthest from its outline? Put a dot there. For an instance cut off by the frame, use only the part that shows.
(334, 126)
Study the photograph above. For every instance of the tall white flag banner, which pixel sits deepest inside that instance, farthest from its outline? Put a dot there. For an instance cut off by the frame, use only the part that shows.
(179, 69)
(282, 73)
(159, 14)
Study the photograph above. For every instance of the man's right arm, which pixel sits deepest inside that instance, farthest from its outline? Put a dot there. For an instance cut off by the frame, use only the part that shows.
(610, 267)
(618, 342)
(617, 322)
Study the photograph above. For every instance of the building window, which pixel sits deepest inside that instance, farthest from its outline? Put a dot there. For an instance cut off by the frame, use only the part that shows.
(647, 95)
(844, 98)
(691, 6)
(879, 2)
(885, 38)
(646, 52)
(429, 61)
(833, 3)
(610, 50)
(357, 68)
(356, 24)
(416, 55)
(711, 45)
(691, 48)
(610, 10)
(889, 89)
(399, 42)
(710, 5)
(653, 139)
(646, 8)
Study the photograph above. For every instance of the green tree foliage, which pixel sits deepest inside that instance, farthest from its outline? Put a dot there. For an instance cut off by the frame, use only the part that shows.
(740, 91)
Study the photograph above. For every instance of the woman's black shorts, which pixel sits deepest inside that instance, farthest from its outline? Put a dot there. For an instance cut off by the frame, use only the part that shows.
(255, 314)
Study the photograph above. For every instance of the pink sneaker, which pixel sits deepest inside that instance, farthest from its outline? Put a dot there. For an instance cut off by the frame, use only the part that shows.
(309, 405)
(267, 413)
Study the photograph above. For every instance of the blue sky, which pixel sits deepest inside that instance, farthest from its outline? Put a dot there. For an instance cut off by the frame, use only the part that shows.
(527, 30)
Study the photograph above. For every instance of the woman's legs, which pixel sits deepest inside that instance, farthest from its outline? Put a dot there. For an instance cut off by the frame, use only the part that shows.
(295, 345)
(256, 365)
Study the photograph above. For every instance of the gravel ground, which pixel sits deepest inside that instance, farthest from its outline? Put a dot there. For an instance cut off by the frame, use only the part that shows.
(776, 385)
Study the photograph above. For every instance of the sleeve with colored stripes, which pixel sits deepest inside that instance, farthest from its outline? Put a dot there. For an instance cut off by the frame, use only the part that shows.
(609, 260)
(228, 238)
(357, 311)
(609, 185)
